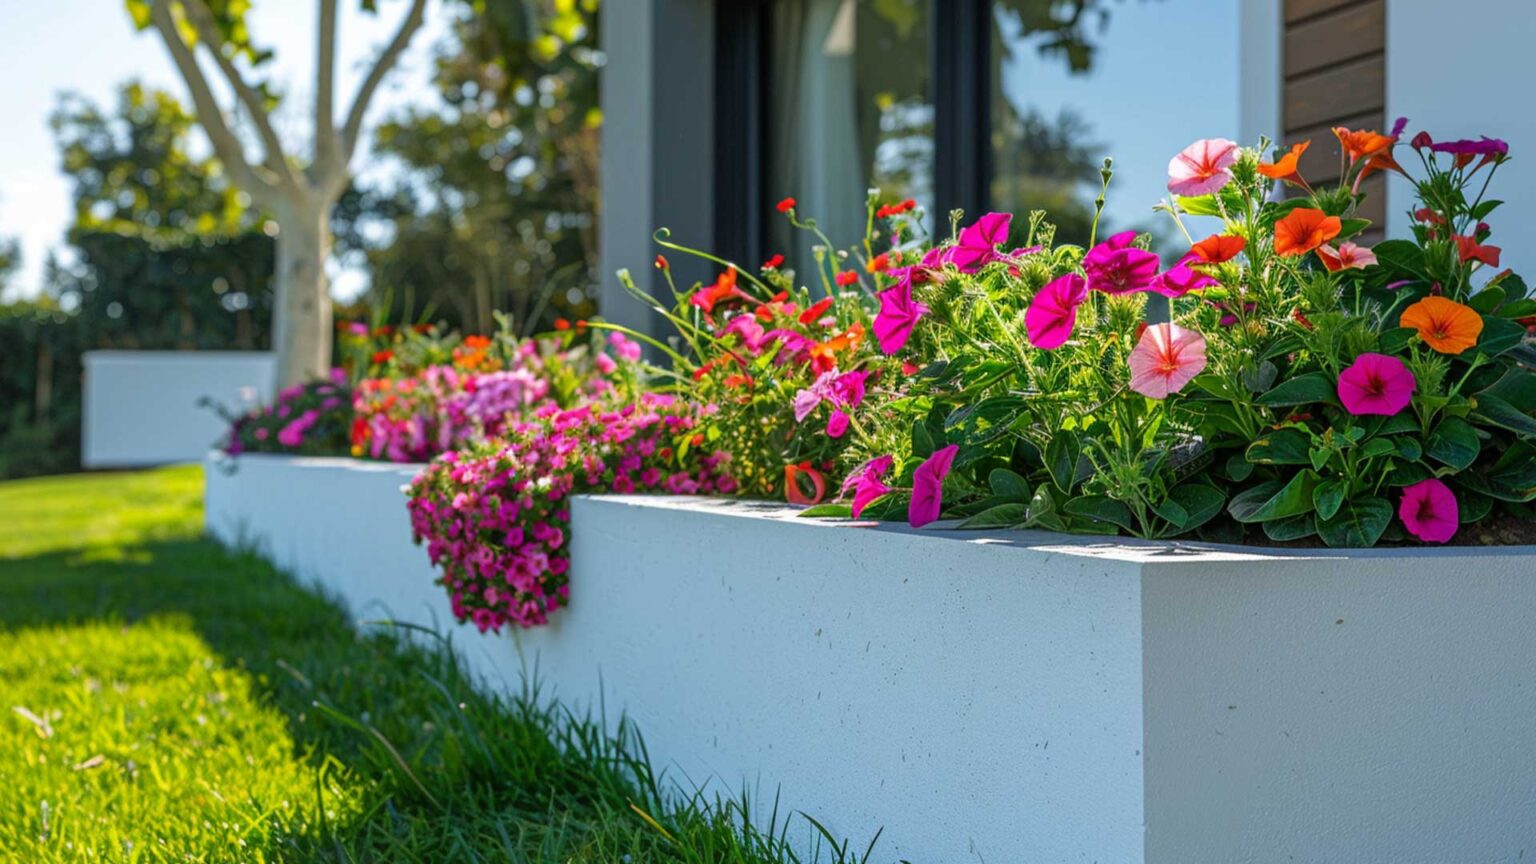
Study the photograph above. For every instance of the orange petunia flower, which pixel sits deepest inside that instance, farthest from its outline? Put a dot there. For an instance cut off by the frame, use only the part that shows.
(1444, 325)
(1286, 168)
(1218, 248)
(1303, 230)
(1362, 144)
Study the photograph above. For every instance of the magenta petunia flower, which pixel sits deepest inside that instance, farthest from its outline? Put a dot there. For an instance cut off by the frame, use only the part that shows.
(1429, 511)
(867, 483)
(1180, 279)
(1165, 359)
(1201, 168)
(1053, 312)
(837, 424)
(1117, 267)
(978, 242)
(928, 486)
(898, 314)
(1376, 384)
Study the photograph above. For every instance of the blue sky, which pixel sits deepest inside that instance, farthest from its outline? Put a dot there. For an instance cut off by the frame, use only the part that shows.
(89, 46)
(1165, 74)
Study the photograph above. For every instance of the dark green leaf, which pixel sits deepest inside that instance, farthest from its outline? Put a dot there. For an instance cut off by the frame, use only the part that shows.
(1357, 525)
(1272, 500)
(1491, 408)
(1400, 258)
(1328, 496)
(1499, 335)
(1454, 442)
(1101, 509)
(1238, 468)
(1285, 446)
(1061, 456)
(1301, 390)
(1001, 516)
(1291, 528)
(1202, 503)
(1008, 484)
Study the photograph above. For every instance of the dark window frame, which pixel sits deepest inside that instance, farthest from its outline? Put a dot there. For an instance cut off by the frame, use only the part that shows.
(959, 47)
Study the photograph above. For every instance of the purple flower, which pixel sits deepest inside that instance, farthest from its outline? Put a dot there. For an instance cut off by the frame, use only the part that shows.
(867, 484)
(1181, 279)
(1116, 267)
(928, 486)
(898, 315)
(978, 242)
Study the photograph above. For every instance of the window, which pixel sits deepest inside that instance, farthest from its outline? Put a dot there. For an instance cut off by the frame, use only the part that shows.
(849, 108)
(976, 104)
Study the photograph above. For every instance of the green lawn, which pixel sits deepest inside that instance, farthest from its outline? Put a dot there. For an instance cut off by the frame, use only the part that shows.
(165, 700)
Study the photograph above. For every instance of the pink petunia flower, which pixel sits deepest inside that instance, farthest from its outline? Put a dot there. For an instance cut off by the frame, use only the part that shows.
(1166, 358)
(1348, 256)
(1053, 312)
(1180, 279)
(1429, 511)
(1201, 168)
(898, 314)
(1376, 384)
(1117, 267)
(867, 483)
(978, 242)
(837, 424)
(928, 486)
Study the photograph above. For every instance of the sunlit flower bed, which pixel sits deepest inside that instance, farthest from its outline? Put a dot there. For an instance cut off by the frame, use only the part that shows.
(1298, 386)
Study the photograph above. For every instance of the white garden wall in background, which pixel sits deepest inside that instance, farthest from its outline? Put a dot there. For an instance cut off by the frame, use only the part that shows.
(1008, 697)
(140, 407)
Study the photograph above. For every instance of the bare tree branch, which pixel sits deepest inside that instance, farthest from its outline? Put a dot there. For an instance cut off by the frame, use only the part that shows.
(225, 144)
(387, 59)
(277, 160)
(326, 145)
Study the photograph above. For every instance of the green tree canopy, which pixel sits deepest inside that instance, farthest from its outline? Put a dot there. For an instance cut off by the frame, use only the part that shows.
(133, 172)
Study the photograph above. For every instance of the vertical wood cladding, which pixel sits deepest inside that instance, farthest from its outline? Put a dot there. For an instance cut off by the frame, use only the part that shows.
(1335, 75)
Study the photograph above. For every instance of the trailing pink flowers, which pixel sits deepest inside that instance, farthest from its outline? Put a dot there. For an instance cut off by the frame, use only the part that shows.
(496, 518)
(1429, 511)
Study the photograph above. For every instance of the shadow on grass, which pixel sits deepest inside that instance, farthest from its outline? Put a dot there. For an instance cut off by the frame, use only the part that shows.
(441, 773)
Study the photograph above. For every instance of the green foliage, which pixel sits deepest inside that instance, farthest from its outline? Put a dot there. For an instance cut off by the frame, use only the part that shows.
(133, 174)
(497, 207)
(180, 702)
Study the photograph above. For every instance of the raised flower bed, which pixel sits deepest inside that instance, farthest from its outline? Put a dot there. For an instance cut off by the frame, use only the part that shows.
(999, 692)
(1028, 696)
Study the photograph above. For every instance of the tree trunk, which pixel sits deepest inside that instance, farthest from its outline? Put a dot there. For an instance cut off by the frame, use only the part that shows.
(302, 319)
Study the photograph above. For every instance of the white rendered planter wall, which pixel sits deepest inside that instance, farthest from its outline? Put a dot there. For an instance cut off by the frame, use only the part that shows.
(141, 407)
(1010, 697)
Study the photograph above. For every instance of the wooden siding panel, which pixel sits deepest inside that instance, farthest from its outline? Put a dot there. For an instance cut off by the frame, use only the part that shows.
(1342, 91)
(1344, 35)
(1300, 10)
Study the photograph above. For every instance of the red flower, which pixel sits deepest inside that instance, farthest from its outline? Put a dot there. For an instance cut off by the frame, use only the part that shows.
(1469, 250)
(909, 204)
(562, 324)
(810, 315)
(383, 356)
(786, 205)
(723, 289)
(846, 278)
(878, 263)
(661, 262)
(773, 263)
